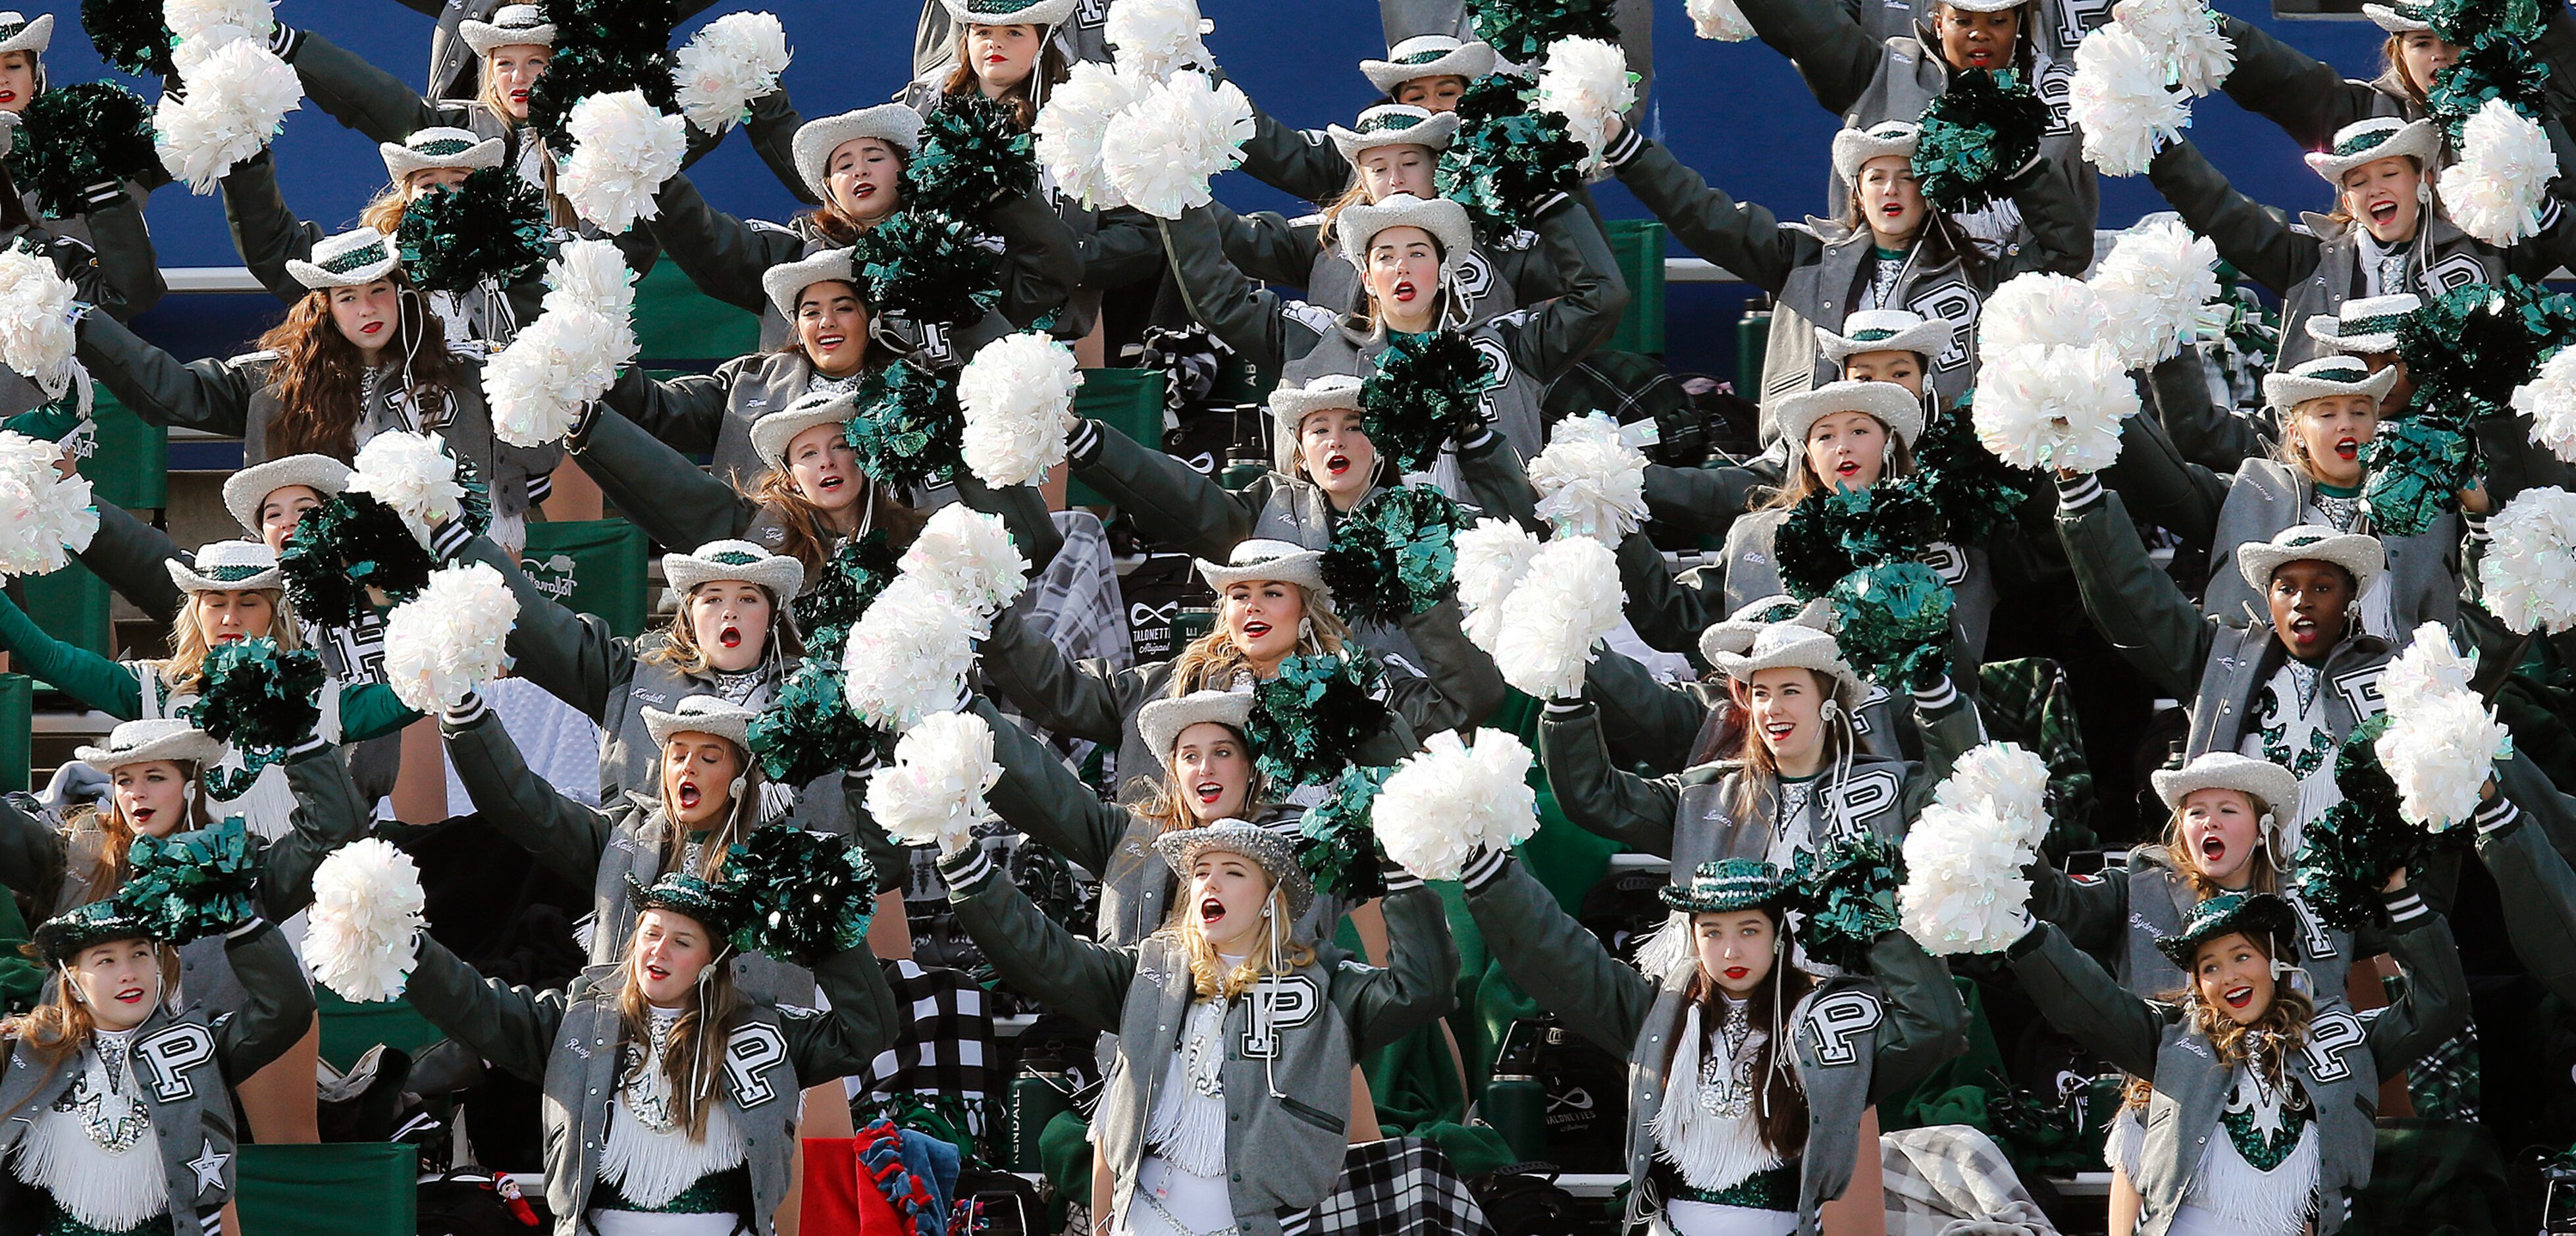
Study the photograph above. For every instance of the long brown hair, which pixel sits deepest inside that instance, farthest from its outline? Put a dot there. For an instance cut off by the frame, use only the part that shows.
(185, 670)
(1760, 768)
(1780, 1109)
(1936, 239)
(1049, 68)
(2284, 1025)
(1212, 662)
(2392, 60)
(319, 373)
(679, 649)
(115, 836)
(694, 1059)
(805, 536)
(56, 1030)
(1165, 803)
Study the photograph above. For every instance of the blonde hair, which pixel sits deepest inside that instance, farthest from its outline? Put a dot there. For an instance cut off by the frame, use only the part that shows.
(690, 1061)
(2293, 452)
(185, 670)
(1213, 662)
(2262, 868)
(1209, 977)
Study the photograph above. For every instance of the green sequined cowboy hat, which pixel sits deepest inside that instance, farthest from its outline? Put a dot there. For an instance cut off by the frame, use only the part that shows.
(2399, 18)
(2261, 916)
(1725, 885)
(1428, 55)
(2271, 786)
(2367, 325)
(1291, 405)
(682, 893)
(1444, 219)
(63, 937)
(1265, 560)
(1009, 12)
(228, 566)
(1886, 139)
(1793, 645)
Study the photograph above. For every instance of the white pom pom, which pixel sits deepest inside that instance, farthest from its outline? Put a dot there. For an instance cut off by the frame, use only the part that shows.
(1446, 802)
(2428, 669)
(2528, 577)
(625, 148)
(1586, 81)
(36, 335)
(593, 275)
(1590, 481)
(366, 921)
(2183, 36)
(1076, 120)
(968, 557)
(204, 27)
(1018, 396)
(2150, 288)
(935, 788)
(907, 656)
(1569, 601)
(537, 386)
(44, 515)
(2495, 191)
(2440, 753)
(2549, 399)
(1161, 152)
(451, 638)
(1493, 557)
(237, 98)
(733, 60)
(1718, 19)
(413, 474)
(2038, 309)
(1155, 37)
(2054, 407)
(2118, 99)
(1964, 891)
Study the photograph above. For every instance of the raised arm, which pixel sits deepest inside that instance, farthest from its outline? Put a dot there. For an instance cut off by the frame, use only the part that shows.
(2059, 220)
(1830, 49)
(2092, 911)
(1169, 499)
(1926, 1022)
(2084, 1002)
(211, 395)
(1701, 500)
(1744, 238)
(2140, 609)
(573, 656)
(1551, 337)
(862, 1022)
(265, 231)
(1667, 613)
(32, 855)
(1039, 796)
(1083, 980)
(2435, 1004)
(1459, 686)
(1078, 699)
(671, 498)
(133, 558)
(723, 255)
(1300, 163)
(1598, 795)
(2534, 883)
(513, 1027)
(1252, 320)
(278, 1010)
(1266, 246)
(1041, 264)
(1420, 982)
(1557, 960)
(329, 813)
(129, 270)
(2280, 83)
(105, 685)
(2258, 241)
(358, 94)
(687, 411)
(1644, 721)
(565, 835)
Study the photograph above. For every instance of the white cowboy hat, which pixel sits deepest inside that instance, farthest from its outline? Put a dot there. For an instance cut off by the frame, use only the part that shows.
(1393, 124)
(141, 742)
(2398, 18)
(1009, 12)
(1181, 848)
(1854, 147)
(1795, 645)
(512, 25)
(2271, 786)
(2367, 325)
(1734, 637)
(1428, 55)
(1160, 723)
(729, 559)
(2360, 556)
(1291, 405)
(352, 259)
(1444, 219)
(2368, 141)
(1258, 559)
(1886, 330)
(892, 123)
(702, 714)
(247, 490)
(1894, 406)
(19, 32)
(771, 434)
(438, 147)
(228, 566)
(2323, 377)
(788, 280)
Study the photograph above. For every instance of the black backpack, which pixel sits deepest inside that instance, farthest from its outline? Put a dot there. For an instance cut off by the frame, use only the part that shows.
(1523, 1199)
(993, 1203)
(472, 1202)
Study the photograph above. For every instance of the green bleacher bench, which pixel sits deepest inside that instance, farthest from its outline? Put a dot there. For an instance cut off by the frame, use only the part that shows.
(17, 730)
(1127, 400)
(675, 322)
(349, 1029)
(1638, 244)
(366, 1188)
(591, 566)
(72, 606)
(131, 466)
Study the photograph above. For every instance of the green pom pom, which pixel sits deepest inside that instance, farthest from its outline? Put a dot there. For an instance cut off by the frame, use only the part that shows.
(1507, 156)
(1974, 494)
(2462, 22)
(909, 429)
(603, 47)
(1894, 622)
(1308, 720)
(2417, 470)
(493, 226)
(130, 35)
(930, 268)
(809, 730)
(1429, 390)
(797, 896)
(191, 885)
(352, 543)
(258, 700)
(857, 571)
(972, 152)
(1523, 30)
(1392, 557)
(1832, 533)
(2493, 66)
(2481, 340)
(1976, 135)
(1846, 891)
(1341, 854)
(72, 137)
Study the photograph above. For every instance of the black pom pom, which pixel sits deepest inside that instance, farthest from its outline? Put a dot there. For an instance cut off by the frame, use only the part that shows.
(1847, 892)
(1976, 135)
(972, 151)
(352, 543)
(493, 226)
(1428, 391)
(73, 137)
(1829, 535)
(259, 700)
(130, 35)
(602, 47)
(1523, 30)
(192, 885)
(797, 896)
(1307, 721)
(1974, 494)
(855, 574)
(809, 730)
(1341, 853)
(1507, 156)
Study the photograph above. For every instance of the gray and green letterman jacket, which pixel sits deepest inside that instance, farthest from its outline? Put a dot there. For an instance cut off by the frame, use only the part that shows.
(1281, 1154)
(1527, 348)
(571, 1041)
(188, 1062)
(2339, 1065)
(1654, 725)
(237, 398)
(1860, 1037)
(1690, 818)
(2117, 915)
(1819, 269)
(2217, 666)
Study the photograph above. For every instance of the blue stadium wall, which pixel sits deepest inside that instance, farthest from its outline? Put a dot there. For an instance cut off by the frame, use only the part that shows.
(1737, 112)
